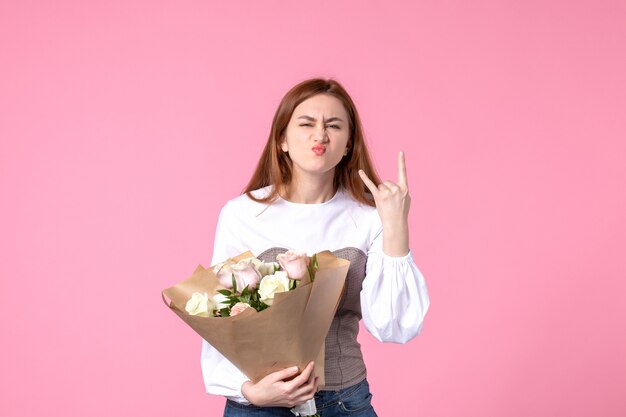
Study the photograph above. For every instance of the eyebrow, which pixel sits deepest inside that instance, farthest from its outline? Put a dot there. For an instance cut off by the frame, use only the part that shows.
(330, 119)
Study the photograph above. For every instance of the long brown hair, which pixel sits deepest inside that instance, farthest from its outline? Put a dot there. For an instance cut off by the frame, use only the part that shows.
(274, 166)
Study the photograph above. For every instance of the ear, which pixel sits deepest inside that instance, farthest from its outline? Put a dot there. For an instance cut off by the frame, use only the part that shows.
(283, 144)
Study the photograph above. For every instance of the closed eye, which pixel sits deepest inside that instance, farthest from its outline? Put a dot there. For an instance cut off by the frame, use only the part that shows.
(337, 127)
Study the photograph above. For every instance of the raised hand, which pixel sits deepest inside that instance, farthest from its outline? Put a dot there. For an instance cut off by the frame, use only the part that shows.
(278, 390)
(392, 202)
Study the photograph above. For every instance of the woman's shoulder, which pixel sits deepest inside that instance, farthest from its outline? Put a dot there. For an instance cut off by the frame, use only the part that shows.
(347, 199)
(243, 203)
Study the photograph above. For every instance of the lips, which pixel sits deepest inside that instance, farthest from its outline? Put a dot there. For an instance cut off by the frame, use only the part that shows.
(319, 150)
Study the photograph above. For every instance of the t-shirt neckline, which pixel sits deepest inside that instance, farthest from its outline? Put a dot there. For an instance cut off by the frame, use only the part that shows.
(291, 203)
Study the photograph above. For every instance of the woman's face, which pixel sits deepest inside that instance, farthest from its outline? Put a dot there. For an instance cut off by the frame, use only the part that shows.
(317, 136)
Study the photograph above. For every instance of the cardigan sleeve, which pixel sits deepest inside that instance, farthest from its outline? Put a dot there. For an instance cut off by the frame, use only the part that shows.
(394, 298)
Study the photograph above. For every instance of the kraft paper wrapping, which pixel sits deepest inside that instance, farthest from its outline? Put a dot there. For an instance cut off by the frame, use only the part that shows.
(290, 332)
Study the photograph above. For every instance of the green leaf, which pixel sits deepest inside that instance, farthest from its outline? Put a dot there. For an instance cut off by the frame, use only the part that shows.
(245, 291)
(227, 293)
(311, 273)
(225, 312)
(234, 283)
(312, 267)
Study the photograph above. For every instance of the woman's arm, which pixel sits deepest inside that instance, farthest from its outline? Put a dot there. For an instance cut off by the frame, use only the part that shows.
(277, 390)
(221, 377)
(393, 203)
(394, 298)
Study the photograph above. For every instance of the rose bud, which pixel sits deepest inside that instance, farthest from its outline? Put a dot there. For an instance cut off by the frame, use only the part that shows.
(238, 308)
(224, 275)
(294, 263)
(245, 274)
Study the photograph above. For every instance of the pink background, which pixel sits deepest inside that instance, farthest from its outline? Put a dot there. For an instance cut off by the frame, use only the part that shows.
(125, 125)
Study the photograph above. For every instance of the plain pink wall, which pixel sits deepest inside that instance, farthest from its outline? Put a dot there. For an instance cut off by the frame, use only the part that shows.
(126, 125)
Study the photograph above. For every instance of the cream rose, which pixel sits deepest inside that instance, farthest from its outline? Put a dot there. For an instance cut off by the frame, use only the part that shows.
(268, 268)
(295, 263)
(221, 301)
(239, 308)
(199, 305)
(272, 284)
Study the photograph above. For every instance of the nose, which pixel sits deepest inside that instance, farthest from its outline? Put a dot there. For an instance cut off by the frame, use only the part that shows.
(320, 135)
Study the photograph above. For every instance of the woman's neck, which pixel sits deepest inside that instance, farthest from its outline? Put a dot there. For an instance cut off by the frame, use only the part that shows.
(310, 190)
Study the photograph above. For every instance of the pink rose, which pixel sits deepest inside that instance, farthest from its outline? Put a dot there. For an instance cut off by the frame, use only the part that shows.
(224, 275)
(245, 274)
(238, 308)
(294, 263)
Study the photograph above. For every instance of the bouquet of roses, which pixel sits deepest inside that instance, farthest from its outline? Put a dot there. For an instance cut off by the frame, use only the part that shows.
(264, 316)
(252, 283)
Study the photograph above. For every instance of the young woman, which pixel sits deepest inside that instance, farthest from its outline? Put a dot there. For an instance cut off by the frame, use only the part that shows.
(315, 189)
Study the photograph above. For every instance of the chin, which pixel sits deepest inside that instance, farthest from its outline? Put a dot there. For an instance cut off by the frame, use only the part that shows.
(313, 170)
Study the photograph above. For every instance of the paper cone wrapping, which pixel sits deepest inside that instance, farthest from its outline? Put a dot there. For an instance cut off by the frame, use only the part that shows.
(291, 332)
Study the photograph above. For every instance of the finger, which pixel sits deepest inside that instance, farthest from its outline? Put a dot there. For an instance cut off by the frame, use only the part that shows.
(389, 186)
(311, 379)
(303, 377)
(311, 390)
(402, 177)
(307, 390)
(307, 385)
(368, 183)
(308, 373)
(315, 384)
(283, 374)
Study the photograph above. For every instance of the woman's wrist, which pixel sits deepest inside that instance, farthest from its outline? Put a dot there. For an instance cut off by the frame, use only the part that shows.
(395, 240)
(247, 390)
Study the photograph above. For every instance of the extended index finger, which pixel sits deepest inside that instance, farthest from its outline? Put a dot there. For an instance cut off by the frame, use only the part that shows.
(402, 178)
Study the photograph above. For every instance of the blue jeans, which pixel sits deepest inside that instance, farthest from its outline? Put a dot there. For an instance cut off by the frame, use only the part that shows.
(353, 401)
